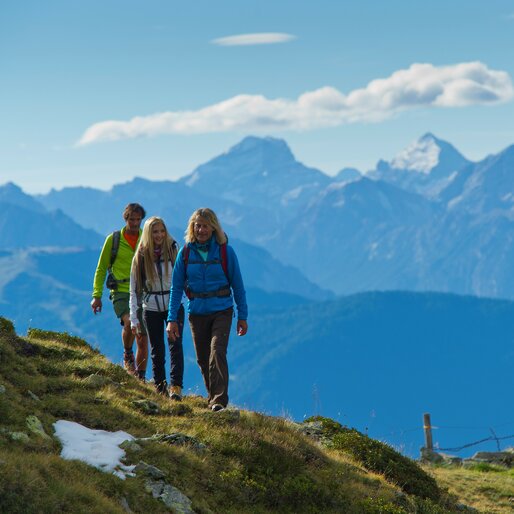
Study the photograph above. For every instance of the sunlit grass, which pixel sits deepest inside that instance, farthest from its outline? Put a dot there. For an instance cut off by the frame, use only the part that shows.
(246, 463)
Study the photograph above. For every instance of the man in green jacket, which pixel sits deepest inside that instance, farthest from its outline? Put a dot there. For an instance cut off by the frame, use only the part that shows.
(120, 291)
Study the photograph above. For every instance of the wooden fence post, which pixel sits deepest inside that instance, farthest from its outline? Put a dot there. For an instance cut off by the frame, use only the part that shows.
(428, 432)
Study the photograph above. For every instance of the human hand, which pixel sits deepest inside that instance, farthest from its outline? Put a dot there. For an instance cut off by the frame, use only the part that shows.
(96, 305)
(136, 330)
(242, 327)
(172, 330)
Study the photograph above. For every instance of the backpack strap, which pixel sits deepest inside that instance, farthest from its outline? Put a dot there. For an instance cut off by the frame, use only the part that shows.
(116, 235)
(224, 260)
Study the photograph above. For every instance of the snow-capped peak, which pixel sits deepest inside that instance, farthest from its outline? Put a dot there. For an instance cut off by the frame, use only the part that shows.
(421, 156)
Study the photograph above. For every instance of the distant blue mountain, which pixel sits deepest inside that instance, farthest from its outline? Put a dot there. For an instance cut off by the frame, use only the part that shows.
(259, 172)
(429, 221)
(21, 227)
(378, 361)
(485, 188)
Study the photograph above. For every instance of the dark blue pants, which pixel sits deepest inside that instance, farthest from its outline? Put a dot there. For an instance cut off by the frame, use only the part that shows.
(156, 327)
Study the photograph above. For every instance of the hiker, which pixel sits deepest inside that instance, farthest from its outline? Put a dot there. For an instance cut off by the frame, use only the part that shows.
(115, 262)
(208, 271)
(150, 281)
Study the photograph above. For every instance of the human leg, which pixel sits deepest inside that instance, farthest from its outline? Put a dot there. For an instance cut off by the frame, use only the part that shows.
(120, 303)
(177, 353)
(141, 347)
(154, 324)
(218, 365)
(201, 333)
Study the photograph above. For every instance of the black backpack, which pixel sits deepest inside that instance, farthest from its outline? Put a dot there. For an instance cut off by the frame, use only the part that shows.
(111, 281)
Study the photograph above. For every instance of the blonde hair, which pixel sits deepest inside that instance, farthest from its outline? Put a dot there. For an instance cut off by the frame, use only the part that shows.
(209, 216)
(145, 255)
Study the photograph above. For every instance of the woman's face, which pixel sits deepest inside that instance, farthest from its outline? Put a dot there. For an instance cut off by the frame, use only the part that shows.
(202, 230)
(158, 234)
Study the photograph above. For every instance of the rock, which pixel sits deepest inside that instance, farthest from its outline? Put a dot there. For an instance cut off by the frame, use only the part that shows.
(178, 439)
(2, 389)
(153, 487)
(148, 470)
(312, 429)
(35, 397)
(174, 499)
(97, 381)
(125, 505)
(178, 502)
(500, 458)
(147, 406)
(19, 436)
(130, 446)
(431, 457)
(35, 426)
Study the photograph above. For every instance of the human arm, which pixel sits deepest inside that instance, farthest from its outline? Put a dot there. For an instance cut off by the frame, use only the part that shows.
(237, 285)
(101, 271)
(178, 280)
(133, 303)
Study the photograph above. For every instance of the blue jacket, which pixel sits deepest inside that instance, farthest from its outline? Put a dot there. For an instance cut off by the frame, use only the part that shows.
(205, 276)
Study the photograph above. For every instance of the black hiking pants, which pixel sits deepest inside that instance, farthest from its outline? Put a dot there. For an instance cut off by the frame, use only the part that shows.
(156, 327)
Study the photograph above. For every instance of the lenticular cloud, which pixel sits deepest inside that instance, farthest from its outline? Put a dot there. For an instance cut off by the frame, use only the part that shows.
(419, 86)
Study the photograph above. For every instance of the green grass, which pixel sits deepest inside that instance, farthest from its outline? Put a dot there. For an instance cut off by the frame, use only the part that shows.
(251, 463)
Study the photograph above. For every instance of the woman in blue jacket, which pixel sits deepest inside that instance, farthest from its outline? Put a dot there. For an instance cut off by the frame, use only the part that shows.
(207, 269)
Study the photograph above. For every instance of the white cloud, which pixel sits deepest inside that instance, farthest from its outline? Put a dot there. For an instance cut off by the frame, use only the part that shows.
(263, 38)
(419, 86)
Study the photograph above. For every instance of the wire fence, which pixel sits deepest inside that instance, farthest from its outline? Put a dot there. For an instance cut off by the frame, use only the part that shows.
(456, 449)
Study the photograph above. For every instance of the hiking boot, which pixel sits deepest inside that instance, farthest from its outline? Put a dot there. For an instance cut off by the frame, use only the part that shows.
(217, 407)
(128, 362)
(176, 393)
(141, 374)
(162, 388)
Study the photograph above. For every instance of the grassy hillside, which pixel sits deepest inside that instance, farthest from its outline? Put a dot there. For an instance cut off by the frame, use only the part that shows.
(227, 462)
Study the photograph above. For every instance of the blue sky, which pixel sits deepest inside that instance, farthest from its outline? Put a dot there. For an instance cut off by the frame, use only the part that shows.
(97, 92)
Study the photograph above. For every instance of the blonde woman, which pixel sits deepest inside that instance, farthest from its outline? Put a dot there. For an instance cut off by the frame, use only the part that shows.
(208, 271)
(150, 281)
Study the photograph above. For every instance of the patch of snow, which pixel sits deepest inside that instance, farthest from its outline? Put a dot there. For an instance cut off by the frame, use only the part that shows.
(293, 194)
(97, 448)
(421, 156)
(194, 178)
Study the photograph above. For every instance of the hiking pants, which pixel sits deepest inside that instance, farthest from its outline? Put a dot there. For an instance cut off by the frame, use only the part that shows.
(156, 326)
(210, 337)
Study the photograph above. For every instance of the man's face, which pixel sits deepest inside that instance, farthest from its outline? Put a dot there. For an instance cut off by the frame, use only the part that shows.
(134, 222)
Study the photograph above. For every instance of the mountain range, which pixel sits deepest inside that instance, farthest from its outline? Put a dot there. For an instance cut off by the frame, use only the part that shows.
(427, 220)
(313, 249)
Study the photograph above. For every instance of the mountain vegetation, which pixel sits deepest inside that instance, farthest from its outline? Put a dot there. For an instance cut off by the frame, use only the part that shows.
(232, 461)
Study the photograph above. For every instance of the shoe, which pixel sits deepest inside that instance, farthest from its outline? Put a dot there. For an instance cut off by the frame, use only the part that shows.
(162, 388)
(141, 374)
(217, 407)
(176, 393)
(128, 363)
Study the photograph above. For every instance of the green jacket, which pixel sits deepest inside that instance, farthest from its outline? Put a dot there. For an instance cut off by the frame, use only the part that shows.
(120, 268)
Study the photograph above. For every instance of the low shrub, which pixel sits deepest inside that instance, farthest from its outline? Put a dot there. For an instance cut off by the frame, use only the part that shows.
(380, 458)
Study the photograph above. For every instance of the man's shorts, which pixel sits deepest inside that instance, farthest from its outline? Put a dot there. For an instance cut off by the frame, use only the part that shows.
(120, 303)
